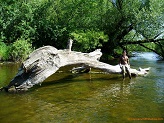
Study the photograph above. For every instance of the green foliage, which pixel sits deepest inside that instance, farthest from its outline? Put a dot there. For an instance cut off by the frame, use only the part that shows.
(49, 22)
(160, 48)
(88, 40)
(137, 47)
(20, 50)
(4, 51)
(134, 36)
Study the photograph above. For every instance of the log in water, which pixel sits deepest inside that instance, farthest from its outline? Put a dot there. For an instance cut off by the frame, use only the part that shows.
(46, 60)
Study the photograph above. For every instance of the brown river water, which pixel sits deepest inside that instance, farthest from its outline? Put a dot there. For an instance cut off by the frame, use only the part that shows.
(87, 98)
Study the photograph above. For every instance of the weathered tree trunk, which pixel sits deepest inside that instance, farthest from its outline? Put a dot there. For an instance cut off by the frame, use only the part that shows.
(46, 60)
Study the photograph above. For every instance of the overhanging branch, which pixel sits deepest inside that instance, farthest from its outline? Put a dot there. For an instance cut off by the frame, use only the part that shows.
(127, 42)
(148, 48)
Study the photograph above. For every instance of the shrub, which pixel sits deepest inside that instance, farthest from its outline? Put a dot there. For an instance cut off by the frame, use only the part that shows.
(20, 50)
(4, 51)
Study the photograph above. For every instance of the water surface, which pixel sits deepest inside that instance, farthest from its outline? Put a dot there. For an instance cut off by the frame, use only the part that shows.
(87, 98)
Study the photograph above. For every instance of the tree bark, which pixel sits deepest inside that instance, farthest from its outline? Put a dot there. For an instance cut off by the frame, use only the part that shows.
(46, 60)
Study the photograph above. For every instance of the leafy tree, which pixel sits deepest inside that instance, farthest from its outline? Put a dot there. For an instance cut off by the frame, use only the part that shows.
(49, 22)
(145, 17)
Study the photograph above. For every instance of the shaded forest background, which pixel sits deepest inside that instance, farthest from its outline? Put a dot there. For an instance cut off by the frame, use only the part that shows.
(112, 25)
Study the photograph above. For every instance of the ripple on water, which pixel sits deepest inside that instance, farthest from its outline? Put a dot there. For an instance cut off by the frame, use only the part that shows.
(88, 97)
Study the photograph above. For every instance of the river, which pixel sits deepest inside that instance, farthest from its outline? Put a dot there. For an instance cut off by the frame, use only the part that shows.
(88, 98)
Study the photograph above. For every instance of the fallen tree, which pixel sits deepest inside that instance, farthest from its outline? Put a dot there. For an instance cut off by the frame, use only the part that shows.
(46, 60)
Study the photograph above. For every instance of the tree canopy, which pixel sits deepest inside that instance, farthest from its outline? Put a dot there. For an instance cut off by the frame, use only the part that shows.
(107, 24)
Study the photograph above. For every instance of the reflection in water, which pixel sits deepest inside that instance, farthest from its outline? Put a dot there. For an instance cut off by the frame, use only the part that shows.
(93, 97)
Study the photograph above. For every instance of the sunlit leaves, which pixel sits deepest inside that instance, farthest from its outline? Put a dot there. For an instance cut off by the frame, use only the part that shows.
(88, 40)
(50, 22)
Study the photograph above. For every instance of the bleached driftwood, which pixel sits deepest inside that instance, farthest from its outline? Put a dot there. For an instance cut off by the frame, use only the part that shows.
(46, 60)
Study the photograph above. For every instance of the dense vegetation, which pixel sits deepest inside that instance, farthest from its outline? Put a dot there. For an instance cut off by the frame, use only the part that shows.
(111, 25)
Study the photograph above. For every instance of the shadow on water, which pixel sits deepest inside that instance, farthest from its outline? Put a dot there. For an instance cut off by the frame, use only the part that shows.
(64, 80)
(79, 78)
